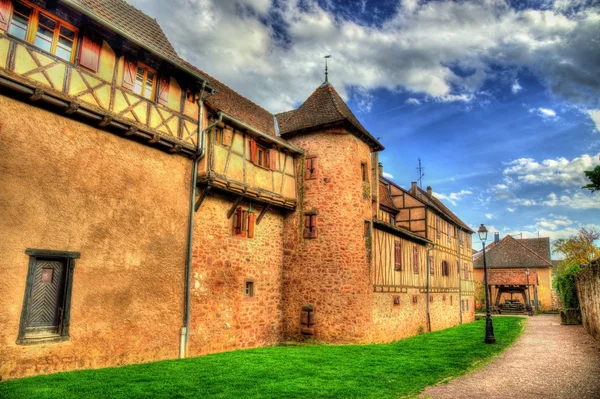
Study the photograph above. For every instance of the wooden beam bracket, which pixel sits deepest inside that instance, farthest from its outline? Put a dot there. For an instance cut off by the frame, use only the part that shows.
(235, 205)
(262, 213)
(132, 130)
(37, 94)
(105, 121)
(72, 108)
(200, 200)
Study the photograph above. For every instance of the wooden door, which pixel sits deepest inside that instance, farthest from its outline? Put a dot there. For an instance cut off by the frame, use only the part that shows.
(47, 298)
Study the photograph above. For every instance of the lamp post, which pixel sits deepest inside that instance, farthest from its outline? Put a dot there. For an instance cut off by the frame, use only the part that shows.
(489, 327)
(529, 310)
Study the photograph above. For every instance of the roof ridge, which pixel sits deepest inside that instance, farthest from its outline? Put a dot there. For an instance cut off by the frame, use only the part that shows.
(331, 90)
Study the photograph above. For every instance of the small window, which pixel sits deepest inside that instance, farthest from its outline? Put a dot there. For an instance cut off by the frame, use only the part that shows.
(243, 223)
(249, 288)
(444, 298)
(415, 260)
(430, 298)
(437, 226)
(145, 81)
(364, 172)
(43, 30)
(396, 300)
(415, 299)
(392, 219)
(467, 302)
(448, 232)
(310, 226)
(445, 268)
(262, 157)
(46, 307)
(398, 256)
(466, 276)
(310, 168)
(190, 96)
(218, 136)
(450, 300)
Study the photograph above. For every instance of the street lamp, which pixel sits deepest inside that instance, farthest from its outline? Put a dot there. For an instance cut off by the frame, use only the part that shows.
(489, 327)
(529, 310)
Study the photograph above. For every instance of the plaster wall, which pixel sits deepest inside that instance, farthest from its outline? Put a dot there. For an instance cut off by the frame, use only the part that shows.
(70, 187)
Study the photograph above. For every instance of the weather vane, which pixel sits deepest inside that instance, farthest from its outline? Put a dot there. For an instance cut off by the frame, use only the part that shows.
(327, 56)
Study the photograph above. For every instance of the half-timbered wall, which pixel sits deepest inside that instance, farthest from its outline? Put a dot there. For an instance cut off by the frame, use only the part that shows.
(412, 214)
(102, 91)
(231, 161)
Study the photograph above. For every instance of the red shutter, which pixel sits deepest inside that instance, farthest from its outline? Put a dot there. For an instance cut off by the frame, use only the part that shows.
(397, 255)
(163, 90)
(307, 168)
(306, 231)
(89, 54)
(251, 218)
(129, 72)
(272, 159)
(5, 6)
(253, 152)
(237, 222)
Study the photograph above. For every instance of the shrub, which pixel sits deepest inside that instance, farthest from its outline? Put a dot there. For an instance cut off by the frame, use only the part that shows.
(565, 287)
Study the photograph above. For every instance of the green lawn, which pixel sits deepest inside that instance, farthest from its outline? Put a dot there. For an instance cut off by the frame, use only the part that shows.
(318, 371)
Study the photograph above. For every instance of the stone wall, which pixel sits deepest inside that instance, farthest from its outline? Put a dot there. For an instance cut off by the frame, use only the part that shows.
(330, 272)
(67, 186)
(588, 291)
(222, 316)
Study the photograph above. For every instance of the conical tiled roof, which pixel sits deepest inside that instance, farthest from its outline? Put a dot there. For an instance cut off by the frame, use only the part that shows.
(323, 107)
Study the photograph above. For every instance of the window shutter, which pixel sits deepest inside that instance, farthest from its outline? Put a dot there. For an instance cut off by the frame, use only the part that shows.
(415, 260)
(397, 255)
(314, 230)
(163, 90)
(251, 218)
(437, 226)
(431, 266)
(307, 168)
(272, 159)
(238, 222)
(5, 6)
(89, 54)
(244, 223)
(253, 152)
(129, 72)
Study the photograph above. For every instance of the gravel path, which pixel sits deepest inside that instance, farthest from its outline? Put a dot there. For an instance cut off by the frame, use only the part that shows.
(547, 361)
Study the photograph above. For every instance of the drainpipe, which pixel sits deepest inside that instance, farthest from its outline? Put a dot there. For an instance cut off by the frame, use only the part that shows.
(200, 152)
(459, 281)
(430, 247)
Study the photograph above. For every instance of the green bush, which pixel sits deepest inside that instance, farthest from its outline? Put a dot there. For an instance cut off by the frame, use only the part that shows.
(565, 287)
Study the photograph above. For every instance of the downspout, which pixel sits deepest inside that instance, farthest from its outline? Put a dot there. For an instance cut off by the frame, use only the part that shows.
(430, 247)
(200, 152)
(459, 281)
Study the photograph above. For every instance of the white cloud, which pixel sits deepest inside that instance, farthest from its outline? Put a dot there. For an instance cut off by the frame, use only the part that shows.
(413, 101)
(553, 222)
(595, 116)
(558, 171)
(490, 216)
(511, 210)
(568, 199)
(388, 175)
(516, 87)
(544, 113)
(272, 52)
(453, 197)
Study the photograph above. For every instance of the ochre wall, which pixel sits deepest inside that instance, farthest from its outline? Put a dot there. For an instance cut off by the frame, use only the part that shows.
(222, 317)
(330, 272)
(67, 186)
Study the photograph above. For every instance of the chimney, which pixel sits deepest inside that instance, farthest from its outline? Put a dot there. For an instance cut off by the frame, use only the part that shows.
(429, 193)
(413, 188)
(380, 169)
(496, 238)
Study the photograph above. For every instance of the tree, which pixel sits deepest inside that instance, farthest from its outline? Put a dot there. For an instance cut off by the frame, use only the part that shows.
(580, 248)
(594, 176)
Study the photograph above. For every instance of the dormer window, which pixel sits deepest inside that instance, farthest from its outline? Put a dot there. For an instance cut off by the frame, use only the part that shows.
(43, 30)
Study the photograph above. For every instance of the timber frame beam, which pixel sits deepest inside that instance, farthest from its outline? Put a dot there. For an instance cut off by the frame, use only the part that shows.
(201, 198)
(262, 213)
(235, 205)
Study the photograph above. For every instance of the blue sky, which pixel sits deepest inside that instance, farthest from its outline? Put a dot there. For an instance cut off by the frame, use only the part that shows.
(499, 99)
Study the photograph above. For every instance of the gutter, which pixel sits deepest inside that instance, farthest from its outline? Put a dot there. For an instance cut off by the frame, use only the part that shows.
(430, 247)
(184, 334)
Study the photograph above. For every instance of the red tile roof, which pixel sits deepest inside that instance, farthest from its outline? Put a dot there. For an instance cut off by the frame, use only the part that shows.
(510, 253)
(324, 106)
(540, 246)
(385, 198)
(512, 277)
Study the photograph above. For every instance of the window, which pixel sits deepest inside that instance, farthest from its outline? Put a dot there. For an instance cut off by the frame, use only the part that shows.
(249, 288)
(415, 299)
(310, 168)
(43, 30)
(190, 96)
(448, 231)
(243, 223)
(431, 266)
(415, 260)
(145, 82)
(363, 172)
(437, 226)
(392, 218)
(445, 268)
(398, 256)
(430, 298)
(262, 157)
(310, 226)
(466, 267)
(396, 300)
(444, 298)
(467, 303)
(46, 307)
